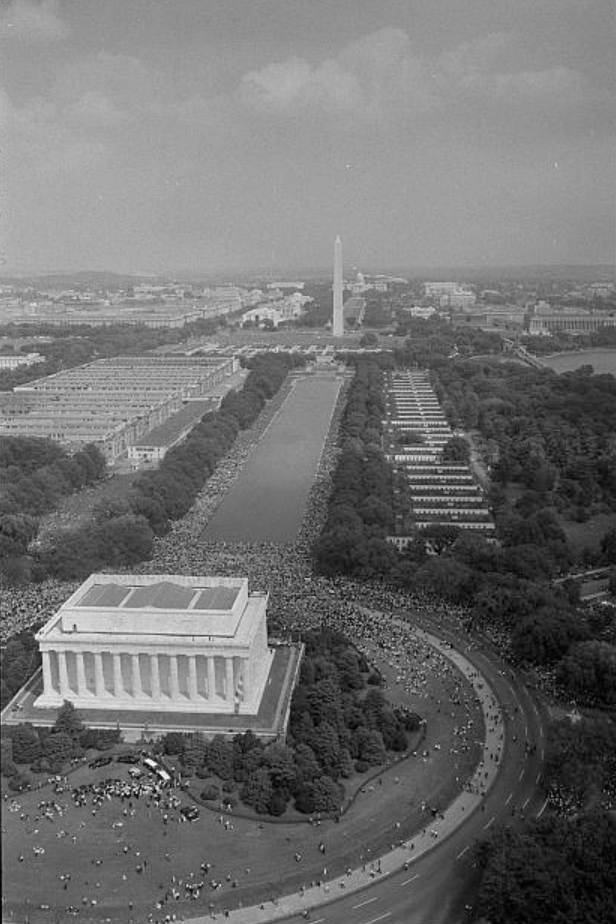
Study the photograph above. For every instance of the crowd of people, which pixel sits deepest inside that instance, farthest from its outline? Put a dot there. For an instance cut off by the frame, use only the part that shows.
(371, 614)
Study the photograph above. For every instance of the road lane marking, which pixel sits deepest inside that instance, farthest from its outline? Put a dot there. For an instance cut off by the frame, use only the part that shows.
(538, 777)
(521, 775)
(380, 918)
(412, 879)
(367, 902)
(525, 803)
(462, 852)
(542, 754)
(542, 809)
(509, 798)
(491, 821)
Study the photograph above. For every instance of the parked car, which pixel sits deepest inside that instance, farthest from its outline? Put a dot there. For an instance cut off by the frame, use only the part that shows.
(99, 762)
(190, 812)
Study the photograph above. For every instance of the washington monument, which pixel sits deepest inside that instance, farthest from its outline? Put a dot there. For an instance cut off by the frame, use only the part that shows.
(338, 319)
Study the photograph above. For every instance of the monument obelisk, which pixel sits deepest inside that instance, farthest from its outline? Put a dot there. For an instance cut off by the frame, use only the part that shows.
(338, 319)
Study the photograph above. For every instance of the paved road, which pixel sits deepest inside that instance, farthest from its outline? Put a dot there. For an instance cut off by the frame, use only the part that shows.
(437, 886)
(434, 879)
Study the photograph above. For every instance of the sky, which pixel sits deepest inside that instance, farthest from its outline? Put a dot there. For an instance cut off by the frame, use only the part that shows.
(212, 135)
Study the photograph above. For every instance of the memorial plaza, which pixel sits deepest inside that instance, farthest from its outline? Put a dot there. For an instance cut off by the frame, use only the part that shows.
(162, 652)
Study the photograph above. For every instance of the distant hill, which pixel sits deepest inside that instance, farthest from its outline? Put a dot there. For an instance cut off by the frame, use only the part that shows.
(82, 280)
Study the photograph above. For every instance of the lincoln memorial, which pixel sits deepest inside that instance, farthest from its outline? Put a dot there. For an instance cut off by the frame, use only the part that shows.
(157, 643)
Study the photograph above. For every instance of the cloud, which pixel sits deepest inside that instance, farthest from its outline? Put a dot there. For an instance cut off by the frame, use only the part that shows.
(43, 143)
(381, 77)
(33, 22)
(95, 110)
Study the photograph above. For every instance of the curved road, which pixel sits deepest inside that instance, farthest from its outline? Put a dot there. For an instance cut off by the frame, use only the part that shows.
(434, 880)
(438, 885)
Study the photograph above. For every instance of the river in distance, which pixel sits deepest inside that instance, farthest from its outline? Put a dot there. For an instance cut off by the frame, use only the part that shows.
(602, 361)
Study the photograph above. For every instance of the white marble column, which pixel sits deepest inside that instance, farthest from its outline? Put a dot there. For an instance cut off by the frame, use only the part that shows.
(229, 684)
(174, 679)
(48, 686)
(118, 682)
(64, 685)
(247, 676)
(82, 686)
(99, 678)
(136, 684)
(211, 678)
(192, 677)
(155, 676)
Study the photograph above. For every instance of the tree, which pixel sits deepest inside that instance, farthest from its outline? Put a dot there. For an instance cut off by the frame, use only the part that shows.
(369, 747)
(440, 536)
(456, 449)
(279, 759)
(326, 794)
(59, 746)
(257, 790)
(588, 671)
(608, 546)
(26, 744)
(554, 870)
(173, 742)
(69, 721)
(327, 748)
(220, 757)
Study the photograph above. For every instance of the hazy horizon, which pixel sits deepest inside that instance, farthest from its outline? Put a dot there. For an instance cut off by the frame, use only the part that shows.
(218, 136)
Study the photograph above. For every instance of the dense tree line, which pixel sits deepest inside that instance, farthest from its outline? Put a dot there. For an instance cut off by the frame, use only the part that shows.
(551, 434)
(340, 724)
(431, 343)
(28, 750)
(360, 513)
(18, 661)
(552, 870)
(580, 767)
(124, 532)
(560, 867)
(508, 583)
(34, 475)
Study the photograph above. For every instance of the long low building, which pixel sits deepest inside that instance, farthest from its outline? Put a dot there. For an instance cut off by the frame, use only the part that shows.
(114, 402)
(440, 492)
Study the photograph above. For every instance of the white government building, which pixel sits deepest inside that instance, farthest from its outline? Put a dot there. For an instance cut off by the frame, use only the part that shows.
(157, 643)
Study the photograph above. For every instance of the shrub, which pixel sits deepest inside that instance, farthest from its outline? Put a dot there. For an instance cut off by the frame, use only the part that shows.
(20, 781)
(8, 768)
(277, 803)
(361, 766)
(210, 794)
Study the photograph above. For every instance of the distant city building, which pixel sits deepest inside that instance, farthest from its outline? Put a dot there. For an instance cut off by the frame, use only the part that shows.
(546, 322)
(110, 402)
(420, 311)
(14, 360)
(450, 294)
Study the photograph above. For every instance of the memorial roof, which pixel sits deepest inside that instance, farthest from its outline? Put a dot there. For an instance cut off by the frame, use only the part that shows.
(161, 595)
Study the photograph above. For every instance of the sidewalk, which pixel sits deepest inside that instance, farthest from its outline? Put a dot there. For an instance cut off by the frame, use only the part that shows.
(410, 851)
